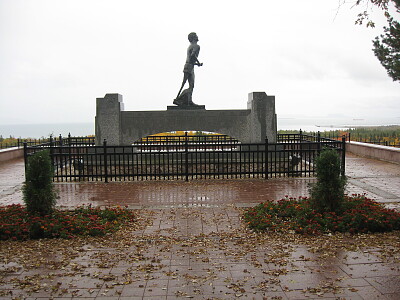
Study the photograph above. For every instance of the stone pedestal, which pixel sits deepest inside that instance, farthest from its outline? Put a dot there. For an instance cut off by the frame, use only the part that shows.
(189, 107)
(262, 121)
(108, 119)
(251, 125)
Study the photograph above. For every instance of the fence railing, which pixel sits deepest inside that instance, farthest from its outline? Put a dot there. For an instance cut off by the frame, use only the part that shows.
(384, 141)
(180, 142)
(390, 141)
(18, 143)
(292, 155)
(54, 141)
(207, 138)
(377, 141)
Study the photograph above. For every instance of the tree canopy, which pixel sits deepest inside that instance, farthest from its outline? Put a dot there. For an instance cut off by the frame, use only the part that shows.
(386, 47)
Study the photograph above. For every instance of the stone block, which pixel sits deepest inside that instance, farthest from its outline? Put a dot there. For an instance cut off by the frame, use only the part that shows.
(262, 121)
(108, 119)
(188, 107)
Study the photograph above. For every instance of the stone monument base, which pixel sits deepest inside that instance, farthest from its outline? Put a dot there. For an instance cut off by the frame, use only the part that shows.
(186, 107)
(120, 128)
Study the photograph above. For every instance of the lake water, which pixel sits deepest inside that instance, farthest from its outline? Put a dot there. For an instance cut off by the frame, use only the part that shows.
(333, 123)
(294, 123)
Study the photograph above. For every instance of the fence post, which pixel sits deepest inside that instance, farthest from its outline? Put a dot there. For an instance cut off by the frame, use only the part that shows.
(301, 135)
(319, 142)
(266, 158)
(25, 156)
(343, 155)
(69, 138)
(105, 161)
(51, 151)
(349, 137)
(186, 157)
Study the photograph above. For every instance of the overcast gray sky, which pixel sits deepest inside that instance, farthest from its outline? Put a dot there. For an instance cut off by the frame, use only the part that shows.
(57, 57)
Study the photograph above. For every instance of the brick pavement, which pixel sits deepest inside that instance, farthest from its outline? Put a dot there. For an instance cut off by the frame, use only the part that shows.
(378, 180)
(191, 243)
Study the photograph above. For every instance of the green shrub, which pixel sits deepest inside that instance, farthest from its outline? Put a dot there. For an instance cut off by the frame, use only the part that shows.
(38, 191)
(359, 215)
(327, 193)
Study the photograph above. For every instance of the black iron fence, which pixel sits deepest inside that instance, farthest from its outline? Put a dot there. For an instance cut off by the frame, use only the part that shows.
(301, 137)
(376, 141)
(391, 140)
(194, 139)
(354, 137)
(181, 142)
(186, 159)
(44, 142)
(18, 143)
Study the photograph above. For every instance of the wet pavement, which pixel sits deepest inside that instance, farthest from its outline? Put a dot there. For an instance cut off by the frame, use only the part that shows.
(378, 180)
(12, 176)
(190, 242)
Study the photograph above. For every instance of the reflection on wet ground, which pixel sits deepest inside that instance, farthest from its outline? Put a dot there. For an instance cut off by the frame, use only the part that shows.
(196, 193)
(378, 180)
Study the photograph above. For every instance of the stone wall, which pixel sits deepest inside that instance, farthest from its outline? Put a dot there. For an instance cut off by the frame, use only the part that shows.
(251, 125)
(108, 119)
(386, 153)
(11, 153)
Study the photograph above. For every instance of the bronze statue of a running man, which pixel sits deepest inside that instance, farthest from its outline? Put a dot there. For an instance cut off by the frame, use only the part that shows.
(185, 98)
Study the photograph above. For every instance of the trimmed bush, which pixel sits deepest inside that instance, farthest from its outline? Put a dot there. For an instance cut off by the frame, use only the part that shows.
(328, 193)
(327, 210)
(38, 191)
(359, 215)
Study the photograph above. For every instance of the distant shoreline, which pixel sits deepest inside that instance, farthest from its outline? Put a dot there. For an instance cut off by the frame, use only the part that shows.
(363, 126)
(37, 131)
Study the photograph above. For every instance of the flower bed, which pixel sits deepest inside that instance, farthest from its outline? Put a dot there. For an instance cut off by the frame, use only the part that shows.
(17, 224)
(358, 214)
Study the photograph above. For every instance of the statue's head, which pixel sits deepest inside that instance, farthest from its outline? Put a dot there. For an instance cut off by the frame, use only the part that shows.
(192, 36)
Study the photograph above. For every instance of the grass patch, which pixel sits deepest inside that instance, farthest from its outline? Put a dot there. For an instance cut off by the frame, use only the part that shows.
(358, 214)
(17, 224)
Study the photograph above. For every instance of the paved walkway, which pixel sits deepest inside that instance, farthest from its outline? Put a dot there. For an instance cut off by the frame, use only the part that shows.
(189, 242)
(379, 180)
